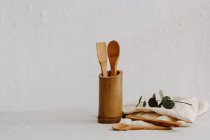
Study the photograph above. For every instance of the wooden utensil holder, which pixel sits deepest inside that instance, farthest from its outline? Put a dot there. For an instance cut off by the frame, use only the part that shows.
(110, 98)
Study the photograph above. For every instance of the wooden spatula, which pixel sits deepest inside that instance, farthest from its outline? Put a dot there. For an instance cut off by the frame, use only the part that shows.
(113, 54)
(102, 57)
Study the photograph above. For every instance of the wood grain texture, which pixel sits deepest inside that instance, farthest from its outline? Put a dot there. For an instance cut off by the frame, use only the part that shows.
(153, 120)
(113, 54)
(122, 127)
(110, 98)
(102, 57)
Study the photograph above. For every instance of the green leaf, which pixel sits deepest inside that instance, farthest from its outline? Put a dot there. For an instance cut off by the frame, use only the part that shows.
(165, 98)
(168, 104)
(152, 102)
(161, 94)
(139, 101)
(154, 96)
(144, 104)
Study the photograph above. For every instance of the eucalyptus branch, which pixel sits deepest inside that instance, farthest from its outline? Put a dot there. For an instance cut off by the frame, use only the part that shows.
(139, 101)
(165, 101)
(182, 102)
(178, 102)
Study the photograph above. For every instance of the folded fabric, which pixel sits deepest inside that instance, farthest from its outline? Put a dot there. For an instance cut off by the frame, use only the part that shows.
(127, 121)
(181, 111)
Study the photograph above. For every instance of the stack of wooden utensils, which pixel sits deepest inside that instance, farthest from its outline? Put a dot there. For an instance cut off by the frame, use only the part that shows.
(113, 54)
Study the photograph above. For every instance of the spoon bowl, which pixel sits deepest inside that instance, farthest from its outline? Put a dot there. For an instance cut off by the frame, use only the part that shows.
(113, 54)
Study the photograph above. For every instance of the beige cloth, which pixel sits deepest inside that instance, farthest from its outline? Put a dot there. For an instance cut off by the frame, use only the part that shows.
(183, 112)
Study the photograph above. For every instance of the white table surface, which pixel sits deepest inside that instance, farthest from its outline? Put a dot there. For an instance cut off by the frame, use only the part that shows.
(76, 124)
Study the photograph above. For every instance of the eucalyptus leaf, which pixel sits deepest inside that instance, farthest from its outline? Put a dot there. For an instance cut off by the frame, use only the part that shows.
(154, 96)
(165, 98)
(144, 104)
(153, 102)
(168, 104)
(161, 94)
(139, 101)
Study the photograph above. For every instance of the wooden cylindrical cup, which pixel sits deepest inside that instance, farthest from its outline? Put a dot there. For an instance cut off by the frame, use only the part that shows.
(110, 98)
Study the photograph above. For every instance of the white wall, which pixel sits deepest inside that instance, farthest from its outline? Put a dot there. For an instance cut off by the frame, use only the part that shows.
(48, 55)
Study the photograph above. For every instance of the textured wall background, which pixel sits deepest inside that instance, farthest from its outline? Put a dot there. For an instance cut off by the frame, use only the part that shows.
(48, 56)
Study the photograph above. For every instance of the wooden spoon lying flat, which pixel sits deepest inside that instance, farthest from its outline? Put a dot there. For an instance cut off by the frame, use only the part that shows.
(113, 54)
(123, 127)
(102, 57)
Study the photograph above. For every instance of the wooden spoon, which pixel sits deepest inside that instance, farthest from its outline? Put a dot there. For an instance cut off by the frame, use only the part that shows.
(102, 57)
(123, 127)
(113, 54)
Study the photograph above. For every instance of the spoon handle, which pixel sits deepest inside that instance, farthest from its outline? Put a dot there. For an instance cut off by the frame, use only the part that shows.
(114, 70)
(103, 69)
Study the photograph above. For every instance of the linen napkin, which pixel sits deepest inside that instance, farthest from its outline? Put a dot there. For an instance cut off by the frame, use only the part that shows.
(181, 111)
